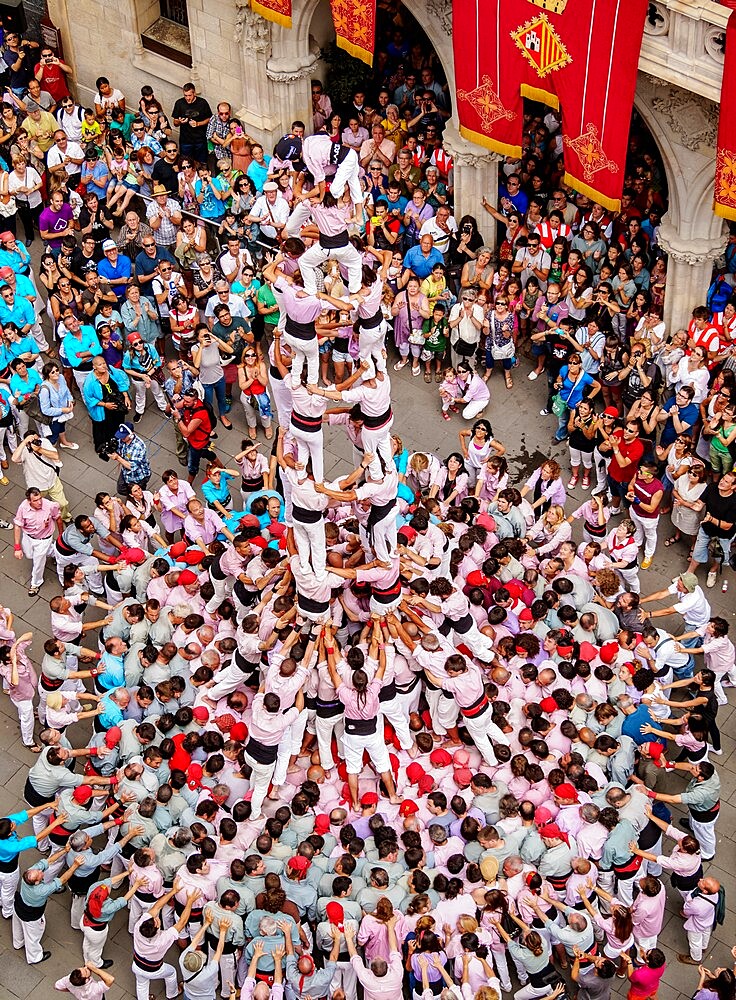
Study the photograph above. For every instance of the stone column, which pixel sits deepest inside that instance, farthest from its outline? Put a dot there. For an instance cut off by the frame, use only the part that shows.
(476, 176)
(689, 269)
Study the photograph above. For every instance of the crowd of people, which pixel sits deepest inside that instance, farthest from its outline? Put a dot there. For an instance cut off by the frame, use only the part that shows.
(414, 730)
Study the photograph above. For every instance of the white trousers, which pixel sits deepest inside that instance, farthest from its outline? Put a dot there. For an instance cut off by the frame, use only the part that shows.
(631, 578)
(393, 711)
(25, 717)
(646, 532)
(8, 885)
(281, 397)
(481, 729)
(310, 444)
(371, 346)
(705, 834)
(93, 576)
(37, 550)
(310, 543)
(142, 979)
(378, 442)
(324, 728)
(305, 351)
(316, 255)
(346, 978)
(260, 779)
(79, 378)
(478, 644)
(93, 945)
(384, 539)
(27, 934)
(698, 942)
(473, 409)
(355, 745)
(140, 395)
(223, 588)
(348, 175)
(443, 712)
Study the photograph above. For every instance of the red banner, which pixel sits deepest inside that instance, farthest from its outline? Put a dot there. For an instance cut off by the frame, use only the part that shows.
(273, 10)
(355, 27)
(580, 56)
(724, 201)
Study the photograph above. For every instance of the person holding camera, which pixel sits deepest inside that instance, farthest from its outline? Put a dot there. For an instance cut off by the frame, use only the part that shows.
(105, 394)
(40, 464)
(18, 58)
(132, 457)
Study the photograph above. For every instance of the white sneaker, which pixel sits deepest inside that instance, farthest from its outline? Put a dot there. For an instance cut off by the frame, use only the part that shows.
(710, 580)
(533, 376)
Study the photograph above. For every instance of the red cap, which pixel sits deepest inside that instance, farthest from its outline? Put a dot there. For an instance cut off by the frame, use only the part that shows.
(655, 751)
(609, 652)
(6, 237)
(369, 799)
(113, 736)
(248, 521)
(566, 791)
(414, 772)
(201, 713)
(5, 272)
(477, 579)
(133, 556)
(321, 824)
(588, 651)
(239, 732)
(611, 411)
(407, 533)
(551, 831)
(82, 794)
(425, 784)
(519, 650)
(180, 760)
(565, 650)
(186, 578)
(486, 521)
(440, 758)
(463, 777)
(548, 705)
(298, 863)
(336, 915)
(259, 542)
(177, 549)
(225, 722)
(461, 758)
(192, 557)
(526, 615)
(408, 807)
(134, 338)
(194, 776)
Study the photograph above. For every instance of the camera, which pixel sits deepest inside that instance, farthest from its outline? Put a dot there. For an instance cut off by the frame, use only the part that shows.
(108, 448)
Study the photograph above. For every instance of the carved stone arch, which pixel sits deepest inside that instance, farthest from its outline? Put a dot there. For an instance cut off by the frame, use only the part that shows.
(676, 181)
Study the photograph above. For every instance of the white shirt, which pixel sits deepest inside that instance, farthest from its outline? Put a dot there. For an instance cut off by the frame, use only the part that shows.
(55, 156)
(440, 237)
(276, 212)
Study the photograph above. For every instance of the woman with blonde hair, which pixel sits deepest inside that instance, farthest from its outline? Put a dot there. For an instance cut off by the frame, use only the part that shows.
(549, 532)
(422, 473)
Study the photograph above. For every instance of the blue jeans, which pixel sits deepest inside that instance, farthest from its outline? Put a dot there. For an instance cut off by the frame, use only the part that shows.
(216, 389)
(561, 433)
(689, 668)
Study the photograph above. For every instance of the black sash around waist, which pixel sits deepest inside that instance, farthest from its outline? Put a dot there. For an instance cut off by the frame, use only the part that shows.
(309, 604)
(387, 595)
(275, 373)
(260, 752)
(334, 242)
(387, 692)
(308, 424)
(373, 423)
(360, 727)
(328, 709)
(301, 331)
(378, 513)
(305, 516)
(251, 485)
(705, 815)
(372, 321)
(25, 912)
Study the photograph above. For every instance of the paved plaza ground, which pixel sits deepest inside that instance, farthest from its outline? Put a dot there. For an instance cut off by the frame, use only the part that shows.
(528, 438)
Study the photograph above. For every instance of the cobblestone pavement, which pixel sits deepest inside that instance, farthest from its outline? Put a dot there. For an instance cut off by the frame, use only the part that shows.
(528, 437)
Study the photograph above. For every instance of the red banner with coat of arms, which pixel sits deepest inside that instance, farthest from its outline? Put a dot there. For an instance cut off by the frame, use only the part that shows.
(354, 20)
(579, 56)
(724, 202)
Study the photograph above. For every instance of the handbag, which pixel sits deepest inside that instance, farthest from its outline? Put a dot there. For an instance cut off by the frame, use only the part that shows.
(501, 352)
(416, 334)
(560, 405)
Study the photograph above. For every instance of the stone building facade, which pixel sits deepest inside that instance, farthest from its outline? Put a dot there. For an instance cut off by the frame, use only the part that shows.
(264, 71)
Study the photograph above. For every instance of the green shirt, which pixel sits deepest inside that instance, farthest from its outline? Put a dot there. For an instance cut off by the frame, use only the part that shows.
(268, 299)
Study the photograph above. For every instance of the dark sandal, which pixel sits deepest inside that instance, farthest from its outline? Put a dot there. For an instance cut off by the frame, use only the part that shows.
(671, 541)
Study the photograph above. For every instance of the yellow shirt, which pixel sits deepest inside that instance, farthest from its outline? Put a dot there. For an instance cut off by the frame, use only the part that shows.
(42, 130)
(433, 289)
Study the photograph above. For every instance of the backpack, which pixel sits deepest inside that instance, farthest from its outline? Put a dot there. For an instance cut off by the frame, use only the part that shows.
(204, 405)
(719, 907)
(719, 294)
